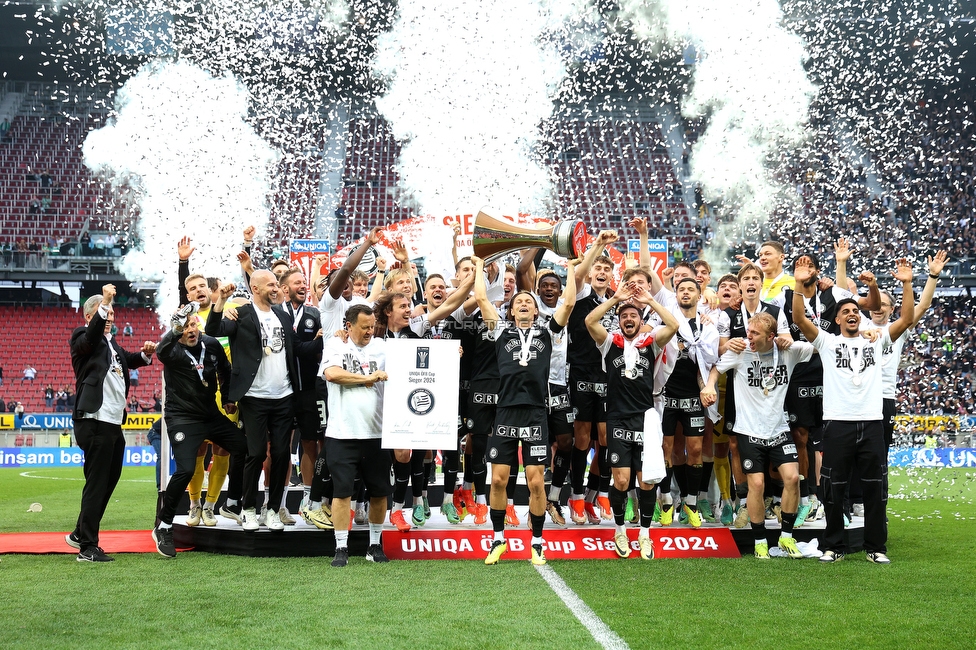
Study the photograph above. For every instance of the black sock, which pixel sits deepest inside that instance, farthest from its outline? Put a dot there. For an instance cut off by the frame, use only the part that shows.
(430, 472)
(468, 469)
(778, 490)
(593, 482)
(560, 467)
(320, 479)
(681, 475)
(450, 465)
(618, 502)
(497, 520)
(537, 522)
(605, 473)
(646, 500)
(759, 530)
(693, 477)
(512, 480)
(804, 488)
(665, 485)
(479, 444)
(401, 476)
(706, 476)
(417, 478)
(789, 520)
(742, 491)
(578, 462)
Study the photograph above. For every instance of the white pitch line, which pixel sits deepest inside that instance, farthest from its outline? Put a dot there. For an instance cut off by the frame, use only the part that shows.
(71, 478)
(599, 630)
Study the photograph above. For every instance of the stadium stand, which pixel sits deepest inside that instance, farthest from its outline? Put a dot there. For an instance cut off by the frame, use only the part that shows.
(46, 349)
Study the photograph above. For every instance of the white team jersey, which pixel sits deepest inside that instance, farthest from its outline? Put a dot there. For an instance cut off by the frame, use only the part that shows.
(332, 312)
(757, 414)
(355, 412)
(560, 343)
(852, 385)
(890, 358)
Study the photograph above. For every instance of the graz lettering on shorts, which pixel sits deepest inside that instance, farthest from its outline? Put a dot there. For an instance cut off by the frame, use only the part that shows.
(465, 384)
(484, 398)
(628, 436)
(809, 391)
(772, 442)
(591, 387)
(691, 404)
(529, 434)
(559, 402)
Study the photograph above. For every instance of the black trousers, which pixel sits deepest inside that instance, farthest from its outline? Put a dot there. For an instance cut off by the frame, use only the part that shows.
(266, 420)
(847, 445)
(185, 438)
(104, 447)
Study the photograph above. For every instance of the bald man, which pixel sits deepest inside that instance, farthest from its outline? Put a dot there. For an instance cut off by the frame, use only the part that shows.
(264, 380)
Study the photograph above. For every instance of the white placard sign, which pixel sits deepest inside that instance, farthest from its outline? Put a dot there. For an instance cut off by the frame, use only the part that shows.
(420, 399)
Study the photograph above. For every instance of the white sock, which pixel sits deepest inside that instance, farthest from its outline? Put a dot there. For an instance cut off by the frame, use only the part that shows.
(448, 498)
(315, 505)
(691, 500)
(342, 539)
(230, 503)
(418, 501)
(644, 532)
(499, 535)
(621, 529)
(554, 493)
(511, 502)
(576, 497)
(195, 503)
(536, 540)
(164, 525)
(804, 501)
(481, 499)
(374, 533)
(306, 490)
(208, 505)
(789, 535)
(397, 506)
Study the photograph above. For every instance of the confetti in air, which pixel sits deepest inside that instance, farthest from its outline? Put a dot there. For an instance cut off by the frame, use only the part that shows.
(470, 84)
(180, 144)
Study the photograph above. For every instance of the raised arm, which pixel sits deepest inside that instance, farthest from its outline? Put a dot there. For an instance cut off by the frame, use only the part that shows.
(341, 278)
(488, 311)
(871, 301)
(569, 294)
(640, 225)
(316, 276)
(453, 301)
(593, 320)
(604, 239)
(842, 253)
(801, 274)
(903, 273)
(184, 249)
(216, 324)
(526, 269)
(670, 324)
(936, 264)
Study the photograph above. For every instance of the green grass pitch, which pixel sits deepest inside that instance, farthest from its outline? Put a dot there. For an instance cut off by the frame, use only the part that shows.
(924, 599)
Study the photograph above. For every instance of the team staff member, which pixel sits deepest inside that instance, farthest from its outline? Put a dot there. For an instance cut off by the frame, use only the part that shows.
(629, 357)
(193, 366)
(523, 351)
(853, 407)
(356, 370)
(263, 382)
(761, 380)
(101, 369)
(306, 323)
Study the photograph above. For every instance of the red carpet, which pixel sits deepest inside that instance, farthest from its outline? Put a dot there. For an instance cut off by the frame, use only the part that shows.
(113, 541)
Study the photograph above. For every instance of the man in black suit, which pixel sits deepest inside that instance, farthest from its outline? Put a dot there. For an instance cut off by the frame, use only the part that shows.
(101, 384)
(264, 380)
(308, 419)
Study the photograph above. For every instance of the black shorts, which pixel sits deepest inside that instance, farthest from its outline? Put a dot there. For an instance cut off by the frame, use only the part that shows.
(816, 438)
(588, 393)
(363, 457)
(462, 425)
(309, 416)
(805, 406)
(482, 402)
(561, 415)
(322, 401)
(625, 442)
(888, 421)
(758, 454)
(519, 424)
(687, 411)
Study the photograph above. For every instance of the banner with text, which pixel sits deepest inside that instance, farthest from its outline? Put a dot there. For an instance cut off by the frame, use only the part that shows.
(938, 457)
(420, 399)
(303, 252)
(53, 421)
(561, 544)
(28, 457)
(659, 253)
